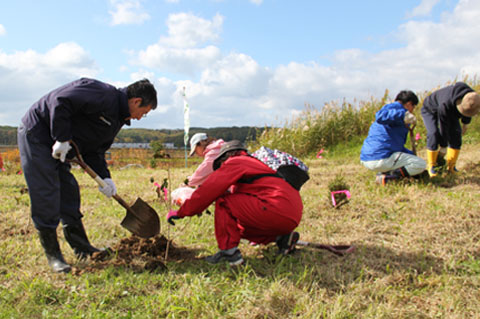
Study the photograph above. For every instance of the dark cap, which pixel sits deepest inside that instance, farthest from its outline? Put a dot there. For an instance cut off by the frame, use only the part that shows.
(233, 145)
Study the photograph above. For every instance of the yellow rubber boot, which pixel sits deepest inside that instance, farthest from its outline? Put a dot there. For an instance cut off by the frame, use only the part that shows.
(432, 162)
(452, 156)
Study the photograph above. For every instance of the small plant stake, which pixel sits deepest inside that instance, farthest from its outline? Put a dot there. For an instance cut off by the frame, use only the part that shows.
(346, 192)
(168, 200)
(319, 154)
(339, 191)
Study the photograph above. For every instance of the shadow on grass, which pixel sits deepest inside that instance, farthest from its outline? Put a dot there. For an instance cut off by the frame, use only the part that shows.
(469, 175)
(309, 266)
(305, 267)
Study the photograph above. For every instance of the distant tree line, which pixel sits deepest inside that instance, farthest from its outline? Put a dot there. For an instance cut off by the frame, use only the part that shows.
(244, 133)
(8, 134)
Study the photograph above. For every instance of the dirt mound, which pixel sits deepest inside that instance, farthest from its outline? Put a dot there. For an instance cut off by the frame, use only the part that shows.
(138, 254)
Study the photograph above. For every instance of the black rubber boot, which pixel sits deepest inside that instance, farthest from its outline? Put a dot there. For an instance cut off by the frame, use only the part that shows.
(49, 241)
(384, 178)
(387, 177)
(400, 172)
(77, 239)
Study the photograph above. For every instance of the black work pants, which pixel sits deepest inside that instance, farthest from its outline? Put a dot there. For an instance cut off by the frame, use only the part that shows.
(441, 132)
(54, 192)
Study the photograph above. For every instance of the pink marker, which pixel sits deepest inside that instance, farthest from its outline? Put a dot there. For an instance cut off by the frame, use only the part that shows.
(319, 153)
(346, 192)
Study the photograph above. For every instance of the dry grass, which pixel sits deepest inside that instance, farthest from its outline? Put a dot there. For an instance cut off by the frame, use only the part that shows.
(417, 254)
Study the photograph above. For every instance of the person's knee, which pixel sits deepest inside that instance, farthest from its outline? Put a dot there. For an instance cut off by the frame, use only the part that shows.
(416, 167)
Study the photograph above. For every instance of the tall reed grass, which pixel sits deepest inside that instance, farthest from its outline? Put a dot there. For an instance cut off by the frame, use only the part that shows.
(336, 124)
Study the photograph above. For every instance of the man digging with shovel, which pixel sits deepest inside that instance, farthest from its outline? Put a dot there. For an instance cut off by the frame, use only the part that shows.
(90, 113)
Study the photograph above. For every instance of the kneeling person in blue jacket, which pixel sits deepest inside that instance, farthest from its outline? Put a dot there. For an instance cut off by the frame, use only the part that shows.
(383, 150)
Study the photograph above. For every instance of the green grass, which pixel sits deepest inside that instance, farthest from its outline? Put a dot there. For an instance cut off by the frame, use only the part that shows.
(417, 254)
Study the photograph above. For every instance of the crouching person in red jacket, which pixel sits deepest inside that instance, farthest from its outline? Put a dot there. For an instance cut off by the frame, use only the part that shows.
(250, 203)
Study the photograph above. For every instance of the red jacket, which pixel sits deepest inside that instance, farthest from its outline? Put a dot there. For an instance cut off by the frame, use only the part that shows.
(274, 191)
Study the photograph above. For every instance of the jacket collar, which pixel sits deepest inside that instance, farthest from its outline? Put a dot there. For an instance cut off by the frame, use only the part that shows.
(124, 111)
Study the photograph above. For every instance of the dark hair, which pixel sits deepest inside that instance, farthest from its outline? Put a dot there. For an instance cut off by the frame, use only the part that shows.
(406, 96)
(144, 90)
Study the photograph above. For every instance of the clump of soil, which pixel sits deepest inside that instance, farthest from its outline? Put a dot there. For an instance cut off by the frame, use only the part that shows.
(138, 254)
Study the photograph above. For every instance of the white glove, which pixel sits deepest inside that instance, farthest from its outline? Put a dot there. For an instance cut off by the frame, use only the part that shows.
(109, 190)
(410, 118)
(60, 150)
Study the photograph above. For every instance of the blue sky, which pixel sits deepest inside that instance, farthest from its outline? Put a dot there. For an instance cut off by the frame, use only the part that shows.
(243, 62)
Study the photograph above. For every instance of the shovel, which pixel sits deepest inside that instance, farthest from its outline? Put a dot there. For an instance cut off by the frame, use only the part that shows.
(141, 219)
(339, 250)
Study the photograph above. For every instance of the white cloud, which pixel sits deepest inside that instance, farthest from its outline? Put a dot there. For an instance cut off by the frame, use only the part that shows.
(236, 90)
(231, 88)
(423, 9)
(185, 61)
(142, 74)
(172, 1)
(25, 76)
(257, 2)
(3, 31)
(186, 30)
(184, 50)
(127, 12)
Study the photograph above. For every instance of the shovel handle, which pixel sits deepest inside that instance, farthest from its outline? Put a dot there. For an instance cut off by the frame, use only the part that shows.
(412, 140)
(79, 160)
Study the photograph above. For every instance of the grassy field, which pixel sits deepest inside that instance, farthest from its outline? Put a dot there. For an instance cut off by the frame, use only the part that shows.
(417, 256)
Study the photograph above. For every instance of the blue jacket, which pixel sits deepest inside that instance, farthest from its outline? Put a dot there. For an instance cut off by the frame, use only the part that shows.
(87, 111)
(387, 134)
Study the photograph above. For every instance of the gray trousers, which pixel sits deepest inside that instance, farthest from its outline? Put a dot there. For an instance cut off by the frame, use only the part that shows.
(53, 190)
(412, 163)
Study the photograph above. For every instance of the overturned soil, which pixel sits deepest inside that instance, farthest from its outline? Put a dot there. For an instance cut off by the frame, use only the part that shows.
(138, 254)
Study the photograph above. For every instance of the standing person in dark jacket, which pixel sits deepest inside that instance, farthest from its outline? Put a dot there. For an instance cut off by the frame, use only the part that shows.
(442, 112)
(263, 210)
(90, 113)
(383, 150)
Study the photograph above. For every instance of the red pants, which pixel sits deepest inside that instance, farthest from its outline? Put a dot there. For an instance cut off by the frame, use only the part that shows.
(246, 216)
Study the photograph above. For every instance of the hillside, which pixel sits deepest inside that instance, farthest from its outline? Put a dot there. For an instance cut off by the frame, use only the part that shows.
(8, 134)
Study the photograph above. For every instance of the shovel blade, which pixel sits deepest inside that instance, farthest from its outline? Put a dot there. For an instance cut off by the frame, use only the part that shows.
(142, 220)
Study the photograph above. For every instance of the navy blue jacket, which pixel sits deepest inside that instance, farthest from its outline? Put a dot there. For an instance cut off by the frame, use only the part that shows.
(442, 103)
(87, 111)
(387, 134)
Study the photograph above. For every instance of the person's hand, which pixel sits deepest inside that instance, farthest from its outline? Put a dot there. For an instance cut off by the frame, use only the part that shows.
(410, 119)
(464, 128)
(60, 150)
(109, 189)
(173, 214)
